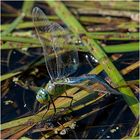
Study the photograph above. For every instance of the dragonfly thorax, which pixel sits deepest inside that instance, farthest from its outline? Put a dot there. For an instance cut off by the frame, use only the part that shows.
(50, 87)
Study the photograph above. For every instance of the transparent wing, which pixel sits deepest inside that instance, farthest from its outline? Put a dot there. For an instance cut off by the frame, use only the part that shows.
(60, 62)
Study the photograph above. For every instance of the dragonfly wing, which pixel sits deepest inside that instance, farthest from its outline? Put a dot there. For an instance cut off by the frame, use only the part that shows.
(54, 40)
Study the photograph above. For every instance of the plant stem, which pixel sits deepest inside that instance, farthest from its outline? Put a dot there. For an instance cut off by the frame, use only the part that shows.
(20, 39)
(130, 68)
(129, 5)
(130, 47)
(27, 7)
(9, 8)
(35, 43)
(13, 25)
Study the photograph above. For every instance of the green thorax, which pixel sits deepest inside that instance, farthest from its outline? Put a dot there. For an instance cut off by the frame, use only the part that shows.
(55, 88)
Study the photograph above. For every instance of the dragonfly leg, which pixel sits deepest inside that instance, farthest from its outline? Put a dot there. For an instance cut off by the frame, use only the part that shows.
(46, 110)
(66, 93)
(44, 116)
(53, 106)
(69, 98)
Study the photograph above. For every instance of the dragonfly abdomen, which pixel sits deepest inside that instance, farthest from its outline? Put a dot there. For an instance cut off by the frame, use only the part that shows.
(94, 79)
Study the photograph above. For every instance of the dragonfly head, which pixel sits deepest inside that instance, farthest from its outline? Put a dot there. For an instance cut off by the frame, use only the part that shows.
(43, 96)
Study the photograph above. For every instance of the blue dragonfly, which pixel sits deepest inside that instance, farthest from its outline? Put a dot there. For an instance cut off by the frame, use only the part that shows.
(55, 41)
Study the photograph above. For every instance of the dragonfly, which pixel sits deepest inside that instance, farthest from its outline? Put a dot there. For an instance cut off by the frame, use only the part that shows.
(56, 42)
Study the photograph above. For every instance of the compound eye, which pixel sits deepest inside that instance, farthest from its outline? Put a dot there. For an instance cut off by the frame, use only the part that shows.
(42, 96)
